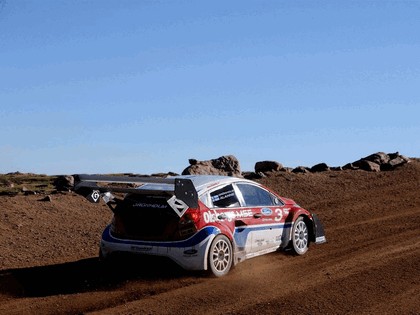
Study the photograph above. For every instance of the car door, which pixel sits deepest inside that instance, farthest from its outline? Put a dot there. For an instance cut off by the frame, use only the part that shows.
(265, 225)
(225, 206)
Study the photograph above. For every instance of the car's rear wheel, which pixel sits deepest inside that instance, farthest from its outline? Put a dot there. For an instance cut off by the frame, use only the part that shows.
(300, 236)
(220, 256)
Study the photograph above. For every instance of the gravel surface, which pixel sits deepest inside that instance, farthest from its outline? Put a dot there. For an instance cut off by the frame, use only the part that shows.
(370, 264)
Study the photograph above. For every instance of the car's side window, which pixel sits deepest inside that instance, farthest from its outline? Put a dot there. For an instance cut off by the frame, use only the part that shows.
(256, 196)
(224, 197)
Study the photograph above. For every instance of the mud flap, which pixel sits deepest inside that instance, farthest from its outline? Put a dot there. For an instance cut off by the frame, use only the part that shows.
(318, 230)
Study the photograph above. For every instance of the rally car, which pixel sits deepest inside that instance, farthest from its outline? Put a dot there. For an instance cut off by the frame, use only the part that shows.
(201, 222)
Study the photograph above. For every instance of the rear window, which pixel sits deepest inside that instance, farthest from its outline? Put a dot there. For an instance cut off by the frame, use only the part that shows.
(224, 197)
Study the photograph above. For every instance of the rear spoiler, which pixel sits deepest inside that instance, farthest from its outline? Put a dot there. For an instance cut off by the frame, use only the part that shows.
(184, 194)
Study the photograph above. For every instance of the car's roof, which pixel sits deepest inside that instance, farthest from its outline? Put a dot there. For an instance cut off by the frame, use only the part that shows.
(200, 182)
(205, 182)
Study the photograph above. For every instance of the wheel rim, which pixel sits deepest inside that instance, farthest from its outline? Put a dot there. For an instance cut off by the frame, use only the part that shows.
(301, 236)
(221, 256)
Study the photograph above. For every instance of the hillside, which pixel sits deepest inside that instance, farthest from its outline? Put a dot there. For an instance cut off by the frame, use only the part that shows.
(370, 264)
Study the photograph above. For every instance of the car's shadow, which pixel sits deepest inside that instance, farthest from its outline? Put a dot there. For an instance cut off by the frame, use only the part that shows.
(84, 275)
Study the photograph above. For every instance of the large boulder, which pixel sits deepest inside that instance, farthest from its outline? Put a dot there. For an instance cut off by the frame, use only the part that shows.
(224, 165)
(378, 158)
(367, 166)
(267, 166)
(321, 167)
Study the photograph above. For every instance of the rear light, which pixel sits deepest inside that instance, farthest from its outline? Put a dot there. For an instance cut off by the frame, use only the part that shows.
(195, 216)
(192, 216)
(188, 223)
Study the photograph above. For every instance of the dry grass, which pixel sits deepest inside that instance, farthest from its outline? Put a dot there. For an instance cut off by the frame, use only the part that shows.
(23, 183)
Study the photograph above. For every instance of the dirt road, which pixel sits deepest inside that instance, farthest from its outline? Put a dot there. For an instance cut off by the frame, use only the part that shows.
(370, 264)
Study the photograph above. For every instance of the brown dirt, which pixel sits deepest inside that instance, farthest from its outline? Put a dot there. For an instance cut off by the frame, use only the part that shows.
(370, 265)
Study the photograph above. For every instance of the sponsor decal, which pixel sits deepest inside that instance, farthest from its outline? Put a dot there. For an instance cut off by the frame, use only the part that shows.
(210, 217)
(94, 197)
(241, 213)
(223, 195)
(266, 211)
(213, 185)
(149, 205)
(230, 215)
(177, 205)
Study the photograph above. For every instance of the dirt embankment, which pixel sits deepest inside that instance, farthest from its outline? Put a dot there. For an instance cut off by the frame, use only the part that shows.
(370, 264)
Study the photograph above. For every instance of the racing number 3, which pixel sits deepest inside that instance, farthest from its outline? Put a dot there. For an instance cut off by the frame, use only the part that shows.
(279, 215)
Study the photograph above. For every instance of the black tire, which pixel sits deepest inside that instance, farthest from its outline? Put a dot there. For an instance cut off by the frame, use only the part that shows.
(300, 237)
(220, 256)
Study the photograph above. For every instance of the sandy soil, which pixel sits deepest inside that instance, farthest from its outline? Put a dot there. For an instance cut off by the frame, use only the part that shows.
(370, 265)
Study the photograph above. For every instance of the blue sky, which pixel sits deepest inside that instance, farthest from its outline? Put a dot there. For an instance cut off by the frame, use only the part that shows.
(142, 86)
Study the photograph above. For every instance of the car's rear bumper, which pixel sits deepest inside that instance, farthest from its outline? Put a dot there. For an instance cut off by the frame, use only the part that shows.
(190, 254)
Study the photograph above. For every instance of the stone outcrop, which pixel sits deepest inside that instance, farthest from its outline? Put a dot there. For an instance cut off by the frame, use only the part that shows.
(267, 166)
(224, 165)
(321, 167)
(379, 161)
(378, 158)
(376, 162)
(367, 165)
(64, 183)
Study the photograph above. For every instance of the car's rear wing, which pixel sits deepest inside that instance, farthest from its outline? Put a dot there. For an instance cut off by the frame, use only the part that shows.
(182, 190)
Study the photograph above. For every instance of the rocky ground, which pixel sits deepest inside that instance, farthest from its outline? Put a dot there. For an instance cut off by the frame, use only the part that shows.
(370, 264)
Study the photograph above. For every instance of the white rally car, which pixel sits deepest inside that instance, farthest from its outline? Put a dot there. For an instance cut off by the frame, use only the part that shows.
(201, 222)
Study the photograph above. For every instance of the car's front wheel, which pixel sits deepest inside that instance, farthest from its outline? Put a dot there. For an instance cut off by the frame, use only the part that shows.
(220, 256)
(300, 236)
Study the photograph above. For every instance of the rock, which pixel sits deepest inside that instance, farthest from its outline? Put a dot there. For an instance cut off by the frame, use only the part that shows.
(267, 166)
(321, 167)
(368, 166)
(252, 175)
(350, 166)
(300, 169)
(27, 191)
(395, 162)
(393, 155)
(46, 198)
(336, 168)
(224, 165)
(192, 161)
(378, 158)
(10, 184)
(379, 161)
(64, 183)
